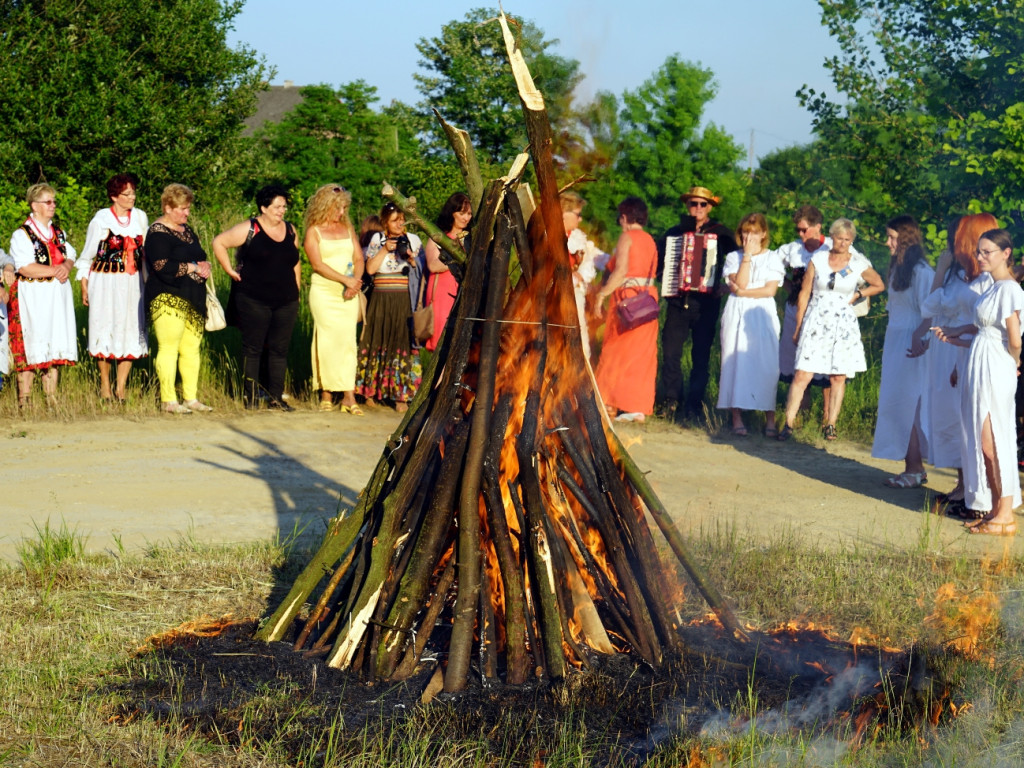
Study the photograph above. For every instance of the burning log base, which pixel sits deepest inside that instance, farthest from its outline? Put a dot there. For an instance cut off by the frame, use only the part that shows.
(504, 518)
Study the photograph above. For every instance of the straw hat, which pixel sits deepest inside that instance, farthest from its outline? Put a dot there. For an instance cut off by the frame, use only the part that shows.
(701, 193)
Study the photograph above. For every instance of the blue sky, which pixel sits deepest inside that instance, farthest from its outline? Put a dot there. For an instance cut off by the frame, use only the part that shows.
(761, 52)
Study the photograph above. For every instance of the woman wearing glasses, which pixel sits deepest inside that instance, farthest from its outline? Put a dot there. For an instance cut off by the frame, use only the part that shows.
(988, 385)
(110, 272)
(388, 367)
(898, 429)
(337, 260)
(42, 312)
(827, 334)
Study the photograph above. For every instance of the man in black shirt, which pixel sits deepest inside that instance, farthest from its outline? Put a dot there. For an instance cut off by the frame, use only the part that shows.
(692, 311)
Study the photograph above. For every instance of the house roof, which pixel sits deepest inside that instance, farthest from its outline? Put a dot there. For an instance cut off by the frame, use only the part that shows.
(272, 105)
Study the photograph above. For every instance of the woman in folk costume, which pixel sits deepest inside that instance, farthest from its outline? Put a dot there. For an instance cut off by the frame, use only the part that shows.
(110, 271)
(42, 312)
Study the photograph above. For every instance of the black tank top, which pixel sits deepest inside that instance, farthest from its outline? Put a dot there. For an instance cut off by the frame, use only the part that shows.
(268, 268)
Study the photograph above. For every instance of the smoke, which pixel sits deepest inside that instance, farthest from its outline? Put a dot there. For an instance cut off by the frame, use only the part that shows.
(814, 709)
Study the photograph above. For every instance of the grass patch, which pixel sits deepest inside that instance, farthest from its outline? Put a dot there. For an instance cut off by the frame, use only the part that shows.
(71, 682)
(50, 548)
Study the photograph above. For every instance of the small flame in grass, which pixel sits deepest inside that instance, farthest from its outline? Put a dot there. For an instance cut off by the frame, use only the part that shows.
(964, 619)
(190, 632)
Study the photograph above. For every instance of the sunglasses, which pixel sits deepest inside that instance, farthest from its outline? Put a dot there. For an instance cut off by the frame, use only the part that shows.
(338, 189)
(832, 281)
(698, 204)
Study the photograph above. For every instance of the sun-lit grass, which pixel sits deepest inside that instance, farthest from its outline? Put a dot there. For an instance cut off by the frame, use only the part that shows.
(68, 646)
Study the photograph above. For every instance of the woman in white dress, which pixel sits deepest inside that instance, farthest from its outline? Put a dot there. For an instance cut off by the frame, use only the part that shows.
(899, 433)
(989, 383)
(750, 327)
(110, 271)
(42, 312)
(827, 334)
(955, 290)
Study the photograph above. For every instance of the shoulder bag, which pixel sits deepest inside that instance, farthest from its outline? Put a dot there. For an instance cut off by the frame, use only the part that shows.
(638, 309)
(423, 316)
(215, 320)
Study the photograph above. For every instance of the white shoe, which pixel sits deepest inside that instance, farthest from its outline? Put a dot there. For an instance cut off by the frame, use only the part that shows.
(175, 407)
(633, 416)
(195, 405)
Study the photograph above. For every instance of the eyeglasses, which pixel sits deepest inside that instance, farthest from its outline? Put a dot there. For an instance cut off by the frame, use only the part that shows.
(988, 254)
(45, 202)
(127, 193)
(801, 230)
(337, 189)
(832, 281)
(698, 204)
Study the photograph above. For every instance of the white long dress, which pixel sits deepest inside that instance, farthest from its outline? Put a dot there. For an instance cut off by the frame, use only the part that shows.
(902, 395)
(750, 338)
(46, 310)
(952, 304)
(117, 312)
(989, 387)
(830, 340)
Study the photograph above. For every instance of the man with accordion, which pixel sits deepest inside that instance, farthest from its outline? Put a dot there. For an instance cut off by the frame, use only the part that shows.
(691, 254)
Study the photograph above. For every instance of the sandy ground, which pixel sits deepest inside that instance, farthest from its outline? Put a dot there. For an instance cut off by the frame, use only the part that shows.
(242, 477)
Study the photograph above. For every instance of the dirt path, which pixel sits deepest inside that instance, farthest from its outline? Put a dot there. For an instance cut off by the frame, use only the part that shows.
(242, 477)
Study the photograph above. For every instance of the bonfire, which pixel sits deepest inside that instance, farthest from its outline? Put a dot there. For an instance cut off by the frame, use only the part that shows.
(504, 520)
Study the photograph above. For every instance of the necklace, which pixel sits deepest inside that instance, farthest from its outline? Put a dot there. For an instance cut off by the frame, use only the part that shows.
(118, 218)
(38, 229)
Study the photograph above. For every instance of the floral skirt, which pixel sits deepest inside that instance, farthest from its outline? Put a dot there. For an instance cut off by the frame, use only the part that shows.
(389, 368)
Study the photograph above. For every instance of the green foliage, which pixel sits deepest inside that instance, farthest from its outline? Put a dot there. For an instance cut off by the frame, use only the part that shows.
(471, 83)
(659, 148)
(50, 547)
(96, 87)
(934, 123)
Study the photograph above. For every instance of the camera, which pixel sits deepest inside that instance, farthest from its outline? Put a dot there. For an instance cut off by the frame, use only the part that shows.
(403, 248)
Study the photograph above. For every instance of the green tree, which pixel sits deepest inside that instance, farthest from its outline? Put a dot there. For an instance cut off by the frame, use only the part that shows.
(933, 121)
(663, 149)
(94, 87)
(470, 83)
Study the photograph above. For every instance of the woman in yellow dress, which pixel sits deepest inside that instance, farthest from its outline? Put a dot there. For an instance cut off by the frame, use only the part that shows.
(332, 247)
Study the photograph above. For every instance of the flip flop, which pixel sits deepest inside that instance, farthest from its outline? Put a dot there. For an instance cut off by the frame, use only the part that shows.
(784, 434)
(994, 529)
(740, 431)
(771, 432)
(355, 410)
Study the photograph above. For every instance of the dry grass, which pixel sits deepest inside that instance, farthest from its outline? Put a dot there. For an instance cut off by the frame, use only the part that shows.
(70, 626)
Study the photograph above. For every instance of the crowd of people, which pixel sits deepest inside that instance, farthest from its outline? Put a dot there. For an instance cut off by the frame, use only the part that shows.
(950, 403)
(949, 362)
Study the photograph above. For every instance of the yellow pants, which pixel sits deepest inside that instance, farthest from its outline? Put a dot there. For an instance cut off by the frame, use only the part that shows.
(177, 350)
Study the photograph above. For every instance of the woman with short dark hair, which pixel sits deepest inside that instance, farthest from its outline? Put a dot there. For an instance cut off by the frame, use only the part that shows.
(110, 272)
(628, 366)
(265, 297)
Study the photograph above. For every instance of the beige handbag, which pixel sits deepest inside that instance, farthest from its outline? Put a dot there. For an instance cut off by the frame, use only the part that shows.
(423, 318)
(215, 319)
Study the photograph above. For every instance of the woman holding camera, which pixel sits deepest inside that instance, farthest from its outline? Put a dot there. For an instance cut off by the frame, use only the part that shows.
(389, 369)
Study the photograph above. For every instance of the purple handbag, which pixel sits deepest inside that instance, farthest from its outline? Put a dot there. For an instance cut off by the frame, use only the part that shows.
(639, 309)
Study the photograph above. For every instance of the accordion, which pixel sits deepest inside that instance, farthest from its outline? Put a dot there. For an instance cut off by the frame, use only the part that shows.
(690, 262)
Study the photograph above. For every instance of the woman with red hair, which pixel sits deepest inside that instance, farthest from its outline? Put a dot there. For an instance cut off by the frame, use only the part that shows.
(959, 282)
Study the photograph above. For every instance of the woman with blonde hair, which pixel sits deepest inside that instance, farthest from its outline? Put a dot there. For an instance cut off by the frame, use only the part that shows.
(827, 335)
(42, 312)
(750, 326)
(176, 297)
(332, 247)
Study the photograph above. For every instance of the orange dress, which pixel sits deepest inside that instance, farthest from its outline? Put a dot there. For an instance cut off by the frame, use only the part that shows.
(628, 366)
